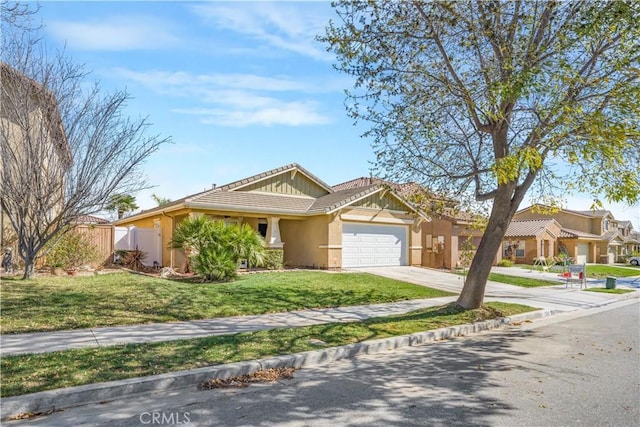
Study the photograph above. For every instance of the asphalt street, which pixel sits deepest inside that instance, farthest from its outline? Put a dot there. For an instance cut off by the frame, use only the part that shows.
(580, 368)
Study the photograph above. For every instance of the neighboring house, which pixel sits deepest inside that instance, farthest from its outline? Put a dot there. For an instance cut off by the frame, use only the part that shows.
(31, 131)
(631, 239)
(631, 243)
(307, 221)
(448, 240)
(586, 236)
(528, 240)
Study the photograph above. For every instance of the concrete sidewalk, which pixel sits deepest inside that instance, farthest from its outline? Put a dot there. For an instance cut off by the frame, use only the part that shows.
(62, 340)
(555, 298)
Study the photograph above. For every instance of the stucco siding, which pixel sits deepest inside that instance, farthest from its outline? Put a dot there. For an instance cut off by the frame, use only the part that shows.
(302, 242)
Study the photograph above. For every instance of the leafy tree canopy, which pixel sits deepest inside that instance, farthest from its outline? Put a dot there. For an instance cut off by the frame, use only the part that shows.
(491, 99)
(467, 96)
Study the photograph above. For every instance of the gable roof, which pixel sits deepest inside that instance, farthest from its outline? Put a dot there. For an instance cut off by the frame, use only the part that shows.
(530, 228)
(408, 189)
(292, 167)
(233, 197)
(567, 233)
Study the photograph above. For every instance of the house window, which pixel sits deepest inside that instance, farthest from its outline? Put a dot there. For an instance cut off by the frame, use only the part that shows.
(507, 249)
(605, 226)
(262, 227)
(513, 248)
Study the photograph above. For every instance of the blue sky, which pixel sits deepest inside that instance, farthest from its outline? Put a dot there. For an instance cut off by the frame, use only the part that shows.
(241, 87)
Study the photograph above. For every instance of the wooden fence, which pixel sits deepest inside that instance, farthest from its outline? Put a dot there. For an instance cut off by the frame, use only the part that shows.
(102, 237)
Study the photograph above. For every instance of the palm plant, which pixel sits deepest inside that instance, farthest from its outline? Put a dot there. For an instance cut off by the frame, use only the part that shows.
(122, 203)
(215, 248)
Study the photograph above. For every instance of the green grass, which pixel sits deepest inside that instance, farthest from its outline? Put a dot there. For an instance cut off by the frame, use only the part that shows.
(60, 303)
(599, 271)
(594, 271)
(610, 291)
(32, 373)
(524, 282)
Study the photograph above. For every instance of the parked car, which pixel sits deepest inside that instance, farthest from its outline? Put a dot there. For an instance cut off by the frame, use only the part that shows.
(634, 260)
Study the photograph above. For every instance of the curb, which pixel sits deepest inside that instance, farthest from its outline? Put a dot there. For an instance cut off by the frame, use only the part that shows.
(100, 392)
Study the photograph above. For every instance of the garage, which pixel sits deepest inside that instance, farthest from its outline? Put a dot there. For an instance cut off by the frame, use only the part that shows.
(582, 255)
(374, 245)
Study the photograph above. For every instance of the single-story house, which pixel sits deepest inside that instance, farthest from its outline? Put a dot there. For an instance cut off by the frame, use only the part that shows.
(528, 240)
(309, 222)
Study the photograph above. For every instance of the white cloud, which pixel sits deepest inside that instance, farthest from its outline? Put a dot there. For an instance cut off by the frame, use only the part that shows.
(115, 33)
(237, 100)
(282, 25)
(277, 113)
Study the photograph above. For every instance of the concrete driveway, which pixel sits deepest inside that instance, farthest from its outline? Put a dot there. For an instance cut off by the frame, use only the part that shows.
(560, 297)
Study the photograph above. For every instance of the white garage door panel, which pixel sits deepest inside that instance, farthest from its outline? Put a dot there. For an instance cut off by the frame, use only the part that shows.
(582, 256)
(367, 245)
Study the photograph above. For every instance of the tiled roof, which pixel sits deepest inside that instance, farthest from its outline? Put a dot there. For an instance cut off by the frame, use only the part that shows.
(596, 213)
(406, 190)
(566, 233)
(336, 199)
(252, 201)
(90, 219)
(610, 235)
(528, 228)
(272, 172)
(226, 198)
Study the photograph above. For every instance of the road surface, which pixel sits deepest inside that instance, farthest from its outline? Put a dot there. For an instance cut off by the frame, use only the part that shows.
(573, 369)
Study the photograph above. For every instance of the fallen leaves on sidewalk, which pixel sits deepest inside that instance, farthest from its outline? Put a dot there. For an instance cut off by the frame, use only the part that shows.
(264, 375)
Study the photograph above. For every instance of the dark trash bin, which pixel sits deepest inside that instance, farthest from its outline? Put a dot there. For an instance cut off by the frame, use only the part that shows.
(611, 282)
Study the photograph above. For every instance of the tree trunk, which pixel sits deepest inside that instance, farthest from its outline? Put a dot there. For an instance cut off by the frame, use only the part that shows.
(472, 294)
(29, 267)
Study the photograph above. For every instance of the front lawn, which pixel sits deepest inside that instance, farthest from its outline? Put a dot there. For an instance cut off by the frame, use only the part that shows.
(37, 372)
(525, 282)
(603, 270)
(59, 303)
(610, 291)
(594, 271)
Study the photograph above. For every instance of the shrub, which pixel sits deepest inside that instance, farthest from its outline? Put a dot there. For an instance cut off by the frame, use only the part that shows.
(133, 259)
(273, 259)
(505, 263)
(215, 249)
(71, 250)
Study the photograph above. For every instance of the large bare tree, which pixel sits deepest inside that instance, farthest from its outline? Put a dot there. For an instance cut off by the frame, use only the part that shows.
(65, 145)
(497, 99)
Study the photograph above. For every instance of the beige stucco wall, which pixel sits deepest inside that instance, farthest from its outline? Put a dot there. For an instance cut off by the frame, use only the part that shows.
(302, 240)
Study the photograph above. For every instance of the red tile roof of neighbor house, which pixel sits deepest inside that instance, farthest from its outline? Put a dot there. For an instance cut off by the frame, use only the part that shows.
(529, 228)
(90, 219)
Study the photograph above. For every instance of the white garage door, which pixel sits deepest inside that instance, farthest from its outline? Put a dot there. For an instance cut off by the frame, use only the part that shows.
(367, 245)
(582, 257)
